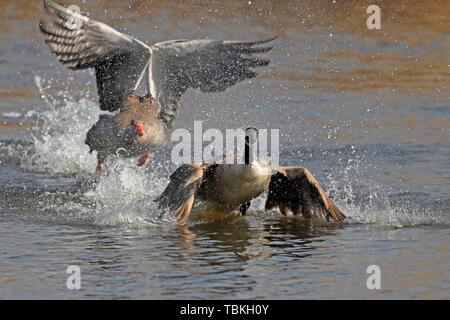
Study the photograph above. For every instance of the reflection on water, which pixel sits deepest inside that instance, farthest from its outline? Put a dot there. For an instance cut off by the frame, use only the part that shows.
(247, 258)
(367, 111)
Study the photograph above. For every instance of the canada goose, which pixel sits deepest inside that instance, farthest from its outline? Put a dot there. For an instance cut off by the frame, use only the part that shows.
(121, 62)
(229, 186)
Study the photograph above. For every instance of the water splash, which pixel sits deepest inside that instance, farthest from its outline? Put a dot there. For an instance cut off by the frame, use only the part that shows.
(59, 134)
(125, 193)
(365, 201)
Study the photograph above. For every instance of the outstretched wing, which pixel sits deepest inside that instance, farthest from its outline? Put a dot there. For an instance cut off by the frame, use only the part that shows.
(208, 65)
(79, 43)
(179, 194)
(296, 190)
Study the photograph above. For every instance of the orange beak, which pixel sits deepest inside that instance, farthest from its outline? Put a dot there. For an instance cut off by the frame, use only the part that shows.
(139, 128)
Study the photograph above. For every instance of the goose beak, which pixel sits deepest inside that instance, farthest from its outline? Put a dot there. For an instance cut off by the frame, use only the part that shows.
(139, 128)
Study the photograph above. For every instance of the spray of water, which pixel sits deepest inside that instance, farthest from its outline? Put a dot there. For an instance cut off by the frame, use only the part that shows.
(58, 138)
(365, 201)
(125, 193)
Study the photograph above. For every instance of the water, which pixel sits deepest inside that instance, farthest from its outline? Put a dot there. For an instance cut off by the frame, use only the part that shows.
(366, 111)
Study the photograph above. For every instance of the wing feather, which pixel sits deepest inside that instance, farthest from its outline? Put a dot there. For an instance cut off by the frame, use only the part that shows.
(79, 43)
(179, 195)
(120, 60)
(208, 65)
(297, 190)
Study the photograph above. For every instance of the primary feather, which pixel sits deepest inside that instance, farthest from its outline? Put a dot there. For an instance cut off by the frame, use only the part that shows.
(120, 61)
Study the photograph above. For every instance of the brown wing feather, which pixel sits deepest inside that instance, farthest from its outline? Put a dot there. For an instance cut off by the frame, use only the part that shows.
(179, 195)
(296, 189)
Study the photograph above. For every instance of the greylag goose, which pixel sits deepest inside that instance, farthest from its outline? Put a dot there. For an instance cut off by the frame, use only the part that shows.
(229, 186)
(122, 61)
(134, 131)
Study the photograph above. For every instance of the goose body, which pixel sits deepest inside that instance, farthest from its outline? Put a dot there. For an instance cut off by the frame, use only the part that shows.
(291, 189)
(229, 186)
(121, 62)
(134, 131)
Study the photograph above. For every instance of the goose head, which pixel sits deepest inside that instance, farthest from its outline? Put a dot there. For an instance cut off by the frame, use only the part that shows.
(252, 167)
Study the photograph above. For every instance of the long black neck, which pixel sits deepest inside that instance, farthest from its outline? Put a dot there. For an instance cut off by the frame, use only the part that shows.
(247, 150)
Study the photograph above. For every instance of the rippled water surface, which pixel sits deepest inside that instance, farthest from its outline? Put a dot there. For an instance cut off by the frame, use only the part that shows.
(367, 111)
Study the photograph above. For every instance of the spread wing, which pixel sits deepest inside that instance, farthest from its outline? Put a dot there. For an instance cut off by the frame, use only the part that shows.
(209, 65)
(296, 189)
(179, 195)
(79, 43)
(120, 61)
